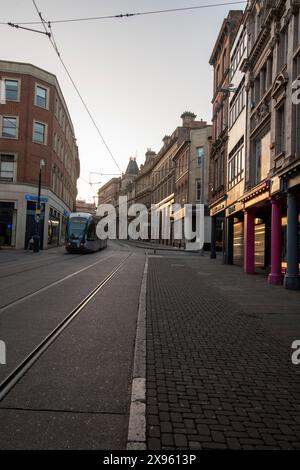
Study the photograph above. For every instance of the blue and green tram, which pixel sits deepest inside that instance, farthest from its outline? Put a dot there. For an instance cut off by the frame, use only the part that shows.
(81, 234)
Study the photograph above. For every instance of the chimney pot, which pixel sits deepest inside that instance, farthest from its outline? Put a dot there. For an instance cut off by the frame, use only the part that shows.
(187, 118)
(166, 139)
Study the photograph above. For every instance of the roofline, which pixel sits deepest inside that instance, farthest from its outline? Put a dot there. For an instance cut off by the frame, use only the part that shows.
(30, 69)
(181, 147)
(225, 21)
(116, 178)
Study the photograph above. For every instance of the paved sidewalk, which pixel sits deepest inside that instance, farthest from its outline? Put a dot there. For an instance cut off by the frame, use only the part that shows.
(219, 375)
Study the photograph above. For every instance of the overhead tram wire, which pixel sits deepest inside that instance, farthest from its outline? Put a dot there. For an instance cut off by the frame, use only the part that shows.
(130, 15)
(55, 47)
(126, 15)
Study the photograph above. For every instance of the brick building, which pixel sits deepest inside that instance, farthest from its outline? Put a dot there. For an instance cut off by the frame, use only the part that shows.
(35, 131)
(84, 206)
(218, 156)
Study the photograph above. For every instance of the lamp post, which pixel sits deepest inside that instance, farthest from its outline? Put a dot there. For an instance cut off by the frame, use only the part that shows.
(36, 237)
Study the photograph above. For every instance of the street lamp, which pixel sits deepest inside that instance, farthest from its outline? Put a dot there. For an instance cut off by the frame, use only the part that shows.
(36, 238)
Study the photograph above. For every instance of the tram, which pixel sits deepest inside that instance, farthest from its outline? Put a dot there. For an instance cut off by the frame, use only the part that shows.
(81, 235)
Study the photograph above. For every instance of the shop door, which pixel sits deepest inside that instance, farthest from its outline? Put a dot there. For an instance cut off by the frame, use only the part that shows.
(238, 243)
(6, 223)
(260, 239)
(31, 225)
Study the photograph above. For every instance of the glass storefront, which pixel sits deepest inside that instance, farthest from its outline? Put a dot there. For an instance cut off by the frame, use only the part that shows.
(53, 227)
(238, 241)
(31, 223)
(7, 223)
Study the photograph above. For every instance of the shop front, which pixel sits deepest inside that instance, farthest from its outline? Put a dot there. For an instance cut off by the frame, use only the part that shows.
(257, 229)
(54, 227)
(34, 222)
(290, 180)
(8, 218)
(218, 236)
(235, 234)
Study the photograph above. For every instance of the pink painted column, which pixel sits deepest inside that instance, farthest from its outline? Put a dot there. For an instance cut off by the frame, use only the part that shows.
(249, 241)
(275, 276)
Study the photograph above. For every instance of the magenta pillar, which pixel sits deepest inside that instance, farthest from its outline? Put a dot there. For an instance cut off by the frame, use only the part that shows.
(249, 241)
(275, 276)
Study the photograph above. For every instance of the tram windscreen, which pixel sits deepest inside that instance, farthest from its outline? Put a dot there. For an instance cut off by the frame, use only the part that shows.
(76, 227)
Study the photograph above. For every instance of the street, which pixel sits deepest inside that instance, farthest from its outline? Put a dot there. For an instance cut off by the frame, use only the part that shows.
(77, 394)
(218, 365)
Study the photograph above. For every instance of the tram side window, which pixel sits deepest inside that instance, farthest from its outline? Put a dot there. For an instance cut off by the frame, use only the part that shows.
(91, 233)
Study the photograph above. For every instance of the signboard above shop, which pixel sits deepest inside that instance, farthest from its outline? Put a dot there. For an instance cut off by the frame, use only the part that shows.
(32, 197)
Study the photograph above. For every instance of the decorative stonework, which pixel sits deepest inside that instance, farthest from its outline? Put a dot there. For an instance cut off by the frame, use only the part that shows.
(279, 85)
(260, 113)
(295, 5)
(262, 188)
(287, 17)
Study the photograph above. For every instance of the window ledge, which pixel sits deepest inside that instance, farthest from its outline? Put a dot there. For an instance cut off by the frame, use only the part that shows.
(280, 155)
(9, 138)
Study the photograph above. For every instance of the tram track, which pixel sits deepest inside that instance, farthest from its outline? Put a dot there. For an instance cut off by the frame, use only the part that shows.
(20, 370)
(15, 273)
(29, 295)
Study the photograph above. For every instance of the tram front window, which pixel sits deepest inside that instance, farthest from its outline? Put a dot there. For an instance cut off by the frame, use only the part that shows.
(76, 227)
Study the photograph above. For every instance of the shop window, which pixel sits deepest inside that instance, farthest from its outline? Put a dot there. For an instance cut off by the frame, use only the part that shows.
(6, 223)
(31, 225)
(53, 227)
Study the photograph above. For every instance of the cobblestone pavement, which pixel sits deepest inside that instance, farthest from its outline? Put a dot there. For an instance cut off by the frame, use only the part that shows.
(216, 377)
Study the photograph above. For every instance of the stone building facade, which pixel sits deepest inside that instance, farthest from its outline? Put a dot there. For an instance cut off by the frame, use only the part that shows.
(191, 173)
(262, 198)
(272, 189)
(177, 173)
(109, 192)
(235, 164)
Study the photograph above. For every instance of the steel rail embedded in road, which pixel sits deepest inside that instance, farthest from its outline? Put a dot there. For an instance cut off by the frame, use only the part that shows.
(68, 258)
(28, 362)
(52, 284)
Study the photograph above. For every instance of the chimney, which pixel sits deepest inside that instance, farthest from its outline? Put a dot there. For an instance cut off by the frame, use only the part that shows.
(149, 154)
(166, 139)
(188, 118)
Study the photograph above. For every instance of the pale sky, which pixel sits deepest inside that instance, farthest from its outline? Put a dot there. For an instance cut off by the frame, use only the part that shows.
(137, 75)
